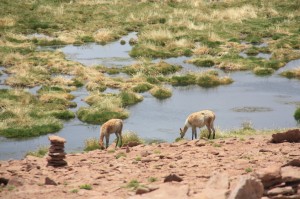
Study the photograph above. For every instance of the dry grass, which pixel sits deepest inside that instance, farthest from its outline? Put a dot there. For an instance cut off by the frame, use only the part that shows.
(235, 14)
(159, 35)
(49, 97)
(7, 21)
(201, 50)
(230, 66)
(104, 35)
(69, 37)
(181, 43)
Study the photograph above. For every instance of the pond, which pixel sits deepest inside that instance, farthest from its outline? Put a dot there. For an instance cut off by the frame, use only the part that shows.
(266, 102)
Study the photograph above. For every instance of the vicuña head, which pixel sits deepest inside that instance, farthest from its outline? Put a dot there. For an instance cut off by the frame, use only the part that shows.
(199, 119)
(109, 127)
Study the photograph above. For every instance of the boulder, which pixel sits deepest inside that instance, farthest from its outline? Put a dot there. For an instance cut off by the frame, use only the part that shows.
(269, 176)
(49, 181)
(172, 177)
(248, 187)
(281, 191)
(290, 174)
(216, 187)
(288, 136)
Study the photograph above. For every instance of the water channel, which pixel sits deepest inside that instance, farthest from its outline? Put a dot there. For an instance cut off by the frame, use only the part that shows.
(267, 102)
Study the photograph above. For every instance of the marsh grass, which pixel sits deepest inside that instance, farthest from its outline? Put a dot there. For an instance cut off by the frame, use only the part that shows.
(142, 87)
(40, 152)
(152, 69)
(161, 92)
(130, 98)
(294, 73)
(100, 111)
(262, 71)
(91, 144)
(130, 138)
(24, 116)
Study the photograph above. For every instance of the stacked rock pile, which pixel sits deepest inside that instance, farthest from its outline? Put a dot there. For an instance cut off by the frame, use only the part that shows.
(56, 154)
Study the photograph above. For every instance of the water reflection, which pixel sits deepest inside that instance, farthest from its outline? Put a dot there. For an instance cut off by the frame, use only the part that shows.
(112, 54)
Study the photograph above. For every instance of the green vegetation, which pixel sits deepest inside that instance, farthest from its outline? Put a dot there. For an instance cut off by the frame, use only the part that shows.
(203, 62)
(120, 155)
(91, 144)
(161, 93)
(261, 71)
(142, 87)
(133, 184)
(205, 79)
(297, 114)
(25, 116)
(138, 158)
(152, 69)
(86, 187)
(152, 179)
(295, 73)
(248, 170)
(74, 191)
(102, 109)
(131, 137)
(40, 152)
(213, 32)
(129, 98)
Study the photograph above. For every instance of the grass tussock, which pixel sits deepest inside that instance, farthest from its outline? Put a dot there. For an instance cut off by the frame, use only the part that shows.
(161, 92)
(40, 152)
(205, 79)
(261, 71)
(102, 109)
(130, 137)
(91, 144)
(294, 73)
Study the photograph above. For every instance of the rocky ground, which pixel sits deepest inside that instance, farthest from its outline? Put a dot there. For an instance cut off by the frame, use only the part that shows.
(187, 169)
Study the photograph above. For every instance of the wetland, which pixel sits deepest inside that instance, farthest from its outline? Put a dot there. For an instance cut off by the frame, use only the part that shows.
(151, 68)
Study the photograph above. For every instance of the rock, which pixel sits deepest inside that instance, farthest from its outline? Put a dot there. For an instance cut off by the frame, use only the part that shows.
(264, 150)
(56, 154)
(3, 181)
(289, 136)
(295, 163)
(216, 187)
(174, 191)
(56, 139)
(132, 144)
(248, 187)
(218, 181)
(144, 153)
(214, 152)
(281, 191)
(49, 181)
(290, 174)
(142, 190)
(172, 177)
(269, 176)
(15, 181)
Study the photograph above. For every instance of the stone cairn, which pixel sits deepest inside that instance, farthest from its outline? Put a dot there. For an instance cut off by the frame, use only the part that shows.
(56, 154)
